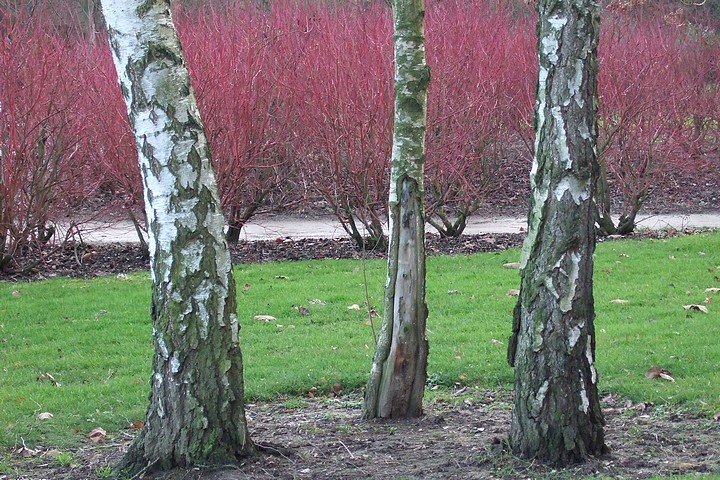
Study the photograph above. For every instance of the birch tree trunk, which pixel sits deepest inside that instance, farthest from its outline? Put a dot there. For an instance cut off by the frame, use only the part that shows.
(196, 413)
(556, 414)
(399, 371)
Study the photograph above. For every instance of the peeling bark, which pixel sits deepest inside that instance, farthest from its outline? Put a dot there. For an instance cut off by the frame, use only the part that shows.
(399, 371)
(556, 414)
(196, 414)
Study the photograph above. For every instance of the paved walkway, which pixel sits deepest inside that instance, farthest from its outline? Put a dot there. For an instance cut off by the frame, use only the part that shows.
(268, 228)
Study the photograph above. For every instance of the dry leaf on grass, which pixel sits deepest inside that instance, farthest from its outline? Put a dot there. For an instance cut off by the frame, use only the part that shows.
(657, 372)
(138, 425)
(717, 417)
(511, 265)
(618, 300)
(301, 309)
(513, 292)
(45, 416)
(264, 318)
(281, 277)
(495, 341)
(453, 292)
(354, 306)
(97, 435)
(16, 293)
(316, 301)
(45, 377)
(701, 308)
(712, 290)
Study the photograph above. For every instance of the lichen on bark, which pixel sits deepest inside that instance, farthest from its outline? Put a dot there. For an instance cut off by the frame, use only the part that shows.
(556, 414)
(196, 413)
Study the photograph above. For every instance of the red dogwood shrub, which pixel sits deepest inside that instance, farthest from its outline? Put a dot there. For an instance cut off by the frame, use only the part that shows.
(42, 174)
(653, 121)
(480, 99)
(239, 58)
(343, 88)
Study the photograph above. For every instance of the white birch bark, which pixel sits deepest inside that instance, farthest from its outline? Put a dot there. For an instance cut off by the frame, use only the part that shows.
(556, 415)
(196, 413)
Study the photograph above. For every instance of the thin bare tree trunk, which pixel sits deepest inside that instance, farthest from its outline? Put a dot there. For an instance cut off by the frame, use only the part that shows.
(397, 379)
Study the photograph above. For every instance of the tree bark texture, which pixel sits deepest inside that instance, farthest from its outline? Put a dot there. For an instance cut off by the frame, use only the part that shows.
(399, 371)
(196, 413)
(556, 414)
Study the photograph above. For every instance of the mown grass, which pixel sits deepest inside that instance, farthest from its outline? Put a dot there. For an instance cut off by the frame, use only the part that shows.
(94, 336)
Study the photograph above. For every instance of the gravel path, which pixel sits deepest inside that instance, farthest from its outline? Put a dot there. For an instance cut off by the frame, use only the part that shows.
(327, 227)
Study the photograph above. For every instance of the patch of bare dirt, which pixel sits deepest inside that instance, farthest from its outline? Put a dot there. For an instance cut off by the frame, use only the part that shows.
(463, 438)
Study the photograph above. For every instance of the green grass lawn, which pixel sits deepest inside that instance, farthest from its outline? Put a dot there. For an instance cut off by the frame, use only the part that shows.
(94, 337)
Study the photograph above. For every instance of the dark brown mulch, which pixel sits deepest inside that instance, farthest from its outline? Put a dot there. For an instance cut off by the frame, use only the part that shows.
(87, 260)
(112, 259)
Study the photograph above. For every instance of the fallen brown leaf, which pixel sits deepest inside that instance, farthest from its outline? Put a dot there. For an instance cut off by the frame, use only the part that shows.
(618, 300)
(45, 416)
(511, 265)
(513, 292)
(26, 452)
(712, 290)
(264, 318)
(136, 425)
(337, 388)
(354, 306)
(281, 277)
(301, 309)
(642, 406)
(693, 306)
(657, 372)
(97, 435)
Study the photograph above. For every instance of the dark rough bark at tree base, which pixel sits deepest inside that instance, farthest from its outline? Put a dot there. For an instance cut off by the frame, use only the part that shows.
(397, 381)
(556, 414)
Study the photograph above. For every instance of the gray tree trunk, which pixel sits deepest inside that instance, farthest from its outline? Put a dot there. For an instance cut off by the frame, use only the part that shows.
(556, 415)
(196, 414)
(399, 371)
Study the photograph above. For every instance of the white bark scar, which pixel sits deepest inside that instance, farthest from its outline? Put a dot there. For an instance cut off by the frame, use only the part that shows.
(539, 399)
(572, 277)
(579, 190)
(585, 402)
(574, 337)
(591, 361)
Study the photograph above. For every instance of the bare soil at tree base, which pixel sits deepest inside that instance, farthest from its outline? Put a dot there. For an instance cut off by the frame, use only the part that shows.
(459, 438)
